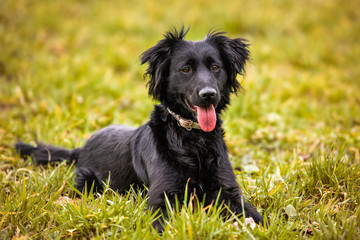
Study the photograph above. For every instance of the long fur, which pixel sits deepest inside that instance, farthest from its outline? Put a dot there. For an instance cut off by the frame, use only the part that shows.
(161, 154)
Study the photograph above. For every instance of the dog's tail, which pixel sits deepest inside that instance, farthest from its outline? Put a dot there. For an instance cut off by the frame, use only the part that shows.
(45, 154)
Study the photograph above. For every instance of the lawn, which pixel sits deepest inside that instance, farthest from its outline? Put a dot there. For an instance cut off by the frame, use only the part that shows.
(69, 68)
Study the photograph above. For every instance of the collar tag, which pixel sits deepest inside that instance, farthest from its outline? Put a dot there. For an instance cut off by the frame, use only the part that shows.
(185, 123)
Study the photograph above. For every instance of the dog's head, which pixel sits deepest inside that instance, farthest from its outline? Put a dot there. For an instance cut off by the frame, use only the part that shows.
(195, 79)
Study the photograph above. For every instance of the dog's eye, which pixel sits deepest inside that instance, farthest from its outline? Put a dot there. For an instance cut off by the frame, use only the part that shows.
(185, 69)
(215, 67)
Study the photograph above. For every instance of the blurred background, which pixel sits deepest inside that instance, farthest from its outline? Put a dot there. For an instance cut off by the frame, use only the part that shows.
(68, 68)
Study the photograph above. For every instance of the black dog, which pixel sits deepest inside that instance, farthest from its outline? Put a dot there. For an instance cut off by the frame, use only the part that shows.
(183, 141)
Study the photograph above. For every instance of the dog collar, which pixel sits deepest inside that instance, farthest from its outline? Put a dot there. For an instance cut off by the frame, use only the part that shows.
(185, 123)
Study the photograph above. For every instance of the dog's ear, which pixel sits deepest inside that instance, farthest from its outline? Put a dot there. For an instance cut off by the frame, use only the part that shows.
(235, 54)
(158, 59)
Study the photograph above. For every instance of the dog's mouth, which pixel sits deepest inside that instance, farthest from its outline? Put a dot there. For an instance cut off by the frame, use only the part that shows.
(206, 115)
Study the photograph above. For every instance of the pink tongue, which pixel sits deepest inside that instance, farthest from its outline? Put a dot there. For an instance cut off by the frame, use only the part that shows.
(206, 117)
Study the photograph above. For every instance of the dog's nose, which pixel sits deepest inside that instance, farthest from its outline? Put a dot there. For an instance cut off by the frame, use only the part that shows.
(207, 93)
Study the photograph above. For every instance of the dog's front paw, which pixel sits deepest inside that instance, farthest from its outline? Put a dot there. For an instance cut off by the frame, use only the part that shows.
(157, 226)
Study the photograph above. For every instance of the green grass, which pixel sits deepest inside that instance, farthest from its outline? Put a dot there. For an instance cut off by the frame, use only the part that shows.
(68, 69)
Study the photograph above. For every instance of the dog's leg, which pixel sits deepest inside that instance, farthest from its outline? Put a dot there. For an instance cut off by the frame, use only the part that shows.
(166, 184)
(231, 193)
(237, 204)
(86, 177)
(157, 203)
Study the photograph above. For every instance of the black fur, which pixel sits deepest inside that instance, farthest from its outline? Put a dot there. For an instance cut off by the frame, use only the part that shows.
(160, 154)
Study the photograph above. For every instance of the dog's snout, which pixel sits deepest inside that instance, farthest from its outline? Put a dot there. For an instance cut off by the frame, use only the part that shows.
(207, 93)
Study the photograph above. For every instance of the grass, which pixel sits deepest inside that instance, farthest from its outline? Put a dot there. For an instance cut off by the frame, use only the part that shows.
(66, 70)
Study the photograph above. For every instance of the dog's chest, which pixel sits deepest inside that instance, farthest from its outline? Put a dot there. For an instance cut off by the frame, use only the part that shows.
(199, 154)
(199, 160)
